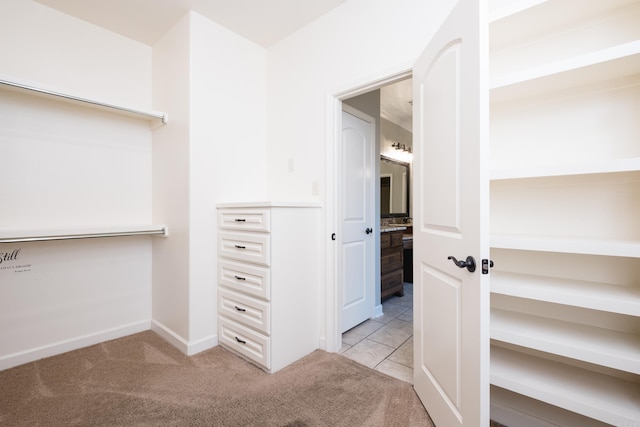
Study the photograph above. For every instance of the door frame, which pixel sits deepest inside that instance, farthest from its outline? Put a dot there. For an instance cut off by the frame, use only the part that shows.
(333, 288)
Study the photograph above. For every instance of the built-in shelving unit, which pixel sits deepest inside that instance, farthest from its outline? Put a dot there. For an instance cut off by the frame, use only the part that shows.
(565, 158)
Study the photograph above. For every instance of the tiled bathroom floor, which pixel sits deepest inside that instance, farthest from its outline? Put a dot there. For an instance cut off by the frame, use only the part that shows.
(385, 343)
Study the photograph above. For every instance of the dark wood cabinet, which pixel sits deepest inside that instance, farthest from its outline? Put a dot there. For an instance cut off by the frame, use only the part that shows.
(391, 264)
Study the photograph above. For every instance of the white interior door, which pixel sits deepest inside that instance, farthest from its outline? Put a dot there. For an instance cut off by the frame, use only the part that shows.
(355, 235)
(451, 303)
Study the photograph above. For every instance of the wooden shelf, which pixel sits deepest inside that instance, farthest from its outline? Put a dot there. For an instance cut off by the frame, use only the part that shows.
(603, 397)
(630, 165)
(38, 235)
(509, 408)
(617, 299)
(603, 65)
(512, 18)
(536, 13)
(606, 347)
(621, 248)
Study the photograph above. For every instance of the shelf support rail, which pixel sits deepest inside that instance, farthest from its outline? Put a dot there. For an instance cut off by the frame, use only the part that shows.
(162, 231)
(155, 115)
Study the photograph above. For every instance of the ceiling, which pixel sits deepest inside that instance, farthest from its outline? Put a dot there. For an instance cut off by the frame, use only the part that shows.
(396, 103)
(264, 22)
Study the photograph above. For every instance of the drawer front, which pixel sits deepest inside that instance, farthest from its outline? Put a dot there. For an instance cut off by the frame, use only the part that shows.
(390, 280)
(385, 240)
(244, 341)
(396, 239)
(250, 247)
(250, 279)
(245, 310)
(390, 262)
(245, 219)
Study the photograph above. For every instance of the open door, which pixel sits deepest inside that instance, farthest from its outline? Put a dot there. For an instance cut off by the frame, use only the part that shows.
(451, 208)
(356, 239)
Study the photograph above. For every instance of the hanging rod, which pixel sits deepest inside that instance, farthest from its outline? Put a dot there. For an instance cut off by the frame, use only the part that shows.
(154, 115)
(42, 236)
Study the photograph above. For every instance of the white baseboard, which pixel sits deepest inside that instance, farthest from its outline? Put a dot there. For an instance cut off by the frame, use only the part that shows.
(20, 358)
(377, 311)
(180, 343)
(202, 344)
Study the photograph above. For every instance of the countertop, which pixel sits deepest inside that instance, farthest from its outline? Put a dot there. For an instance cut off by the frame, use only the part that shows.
(390, 228)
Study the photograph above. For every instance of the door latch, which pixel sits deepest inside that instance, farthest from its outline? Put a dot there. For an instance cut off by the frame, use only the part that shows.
(486, 265)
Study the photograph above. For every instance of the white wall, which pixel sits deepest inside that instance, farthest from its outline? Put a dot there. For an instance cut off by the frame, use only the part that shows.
(228, 149)
(171, 196)
(64, 165)
(44, 46)
(357, 43)
(213, 83)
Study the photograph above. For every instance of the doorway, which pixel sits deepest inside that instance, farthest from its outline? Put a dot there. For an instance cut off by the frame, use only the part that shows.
(385, 341)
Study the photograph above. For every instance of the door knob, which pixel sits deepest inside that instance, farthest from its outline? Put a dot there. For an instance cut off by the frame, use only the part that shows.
(469, 263)
(369, 230)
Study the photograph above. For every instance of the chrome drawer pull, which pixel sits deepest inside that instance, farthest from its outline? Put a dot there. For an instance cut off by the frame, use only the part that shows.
(240, 309)
(240, 247)
(239, 278)
(240, 341)
(240, 220)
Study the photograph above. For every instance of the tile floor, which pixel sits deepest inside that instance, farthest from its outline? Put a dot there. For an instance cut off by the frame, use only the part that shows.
(385, 343)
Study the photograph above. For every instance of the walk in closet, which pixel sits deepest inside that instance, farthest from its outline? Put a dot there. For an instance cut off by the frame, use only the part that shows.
(75, 219)
(565, 204)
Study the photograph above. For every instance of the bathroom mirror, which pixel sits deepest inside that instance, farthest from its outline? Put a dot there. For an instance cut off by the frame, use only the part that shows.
(394, 188)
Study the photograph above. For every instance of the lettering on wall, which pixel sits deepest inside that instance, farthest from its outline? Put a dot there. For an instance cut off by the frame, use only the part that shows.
(11, 260)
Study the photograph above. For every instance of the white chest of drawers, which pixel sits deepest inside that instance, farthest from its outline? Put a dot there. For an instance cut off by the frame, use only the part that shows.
(269, 281)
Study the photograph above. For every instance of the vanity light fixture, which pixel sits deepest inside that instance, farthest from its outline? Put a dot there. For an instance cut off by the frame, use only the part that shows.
(401, 147)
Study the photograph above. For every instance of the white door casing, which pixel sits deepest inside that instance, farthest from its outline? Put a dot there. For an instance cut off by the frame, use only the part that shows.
(356, 239)
(451, 207)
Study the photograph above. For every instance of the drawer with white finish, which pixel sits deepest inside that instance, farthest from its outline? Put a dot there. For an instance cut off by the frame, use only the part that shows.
(248, 247)
(250, 344)
(268, 281)
(245, 310)
(250, 279)
(245, 220)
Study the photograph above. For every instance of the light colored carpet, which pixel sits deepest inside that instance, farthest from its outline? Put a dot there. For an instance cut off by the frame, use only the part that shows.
(141, 380)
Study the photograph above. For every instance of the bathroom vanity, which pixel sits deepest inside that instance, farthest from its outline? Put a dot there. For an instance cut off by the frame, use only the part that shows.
(391, 261)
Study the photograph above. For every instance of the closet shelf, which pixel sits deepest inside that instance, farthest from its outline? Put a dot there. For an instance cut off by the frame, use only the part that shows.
(39, 235)
(505, 402)
(34, 90)
(599, 66)
(513, 19)
(590, 168)
(606, 347)
(604, 247)
(606, 398)
(619, 299)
